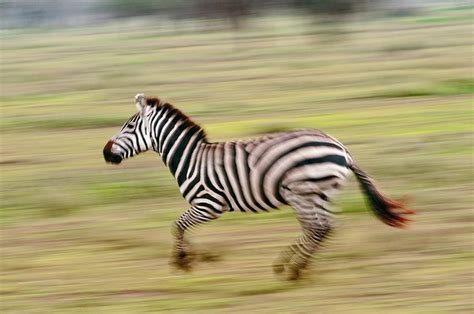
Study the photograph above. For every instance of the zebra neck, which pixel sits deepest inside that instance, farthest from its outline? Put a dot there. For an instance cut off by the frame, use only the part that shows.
(175, 137)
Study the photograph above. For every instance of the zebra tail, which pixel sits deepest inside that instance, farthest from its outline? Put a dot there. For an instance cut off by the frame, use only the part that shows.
(388, 210)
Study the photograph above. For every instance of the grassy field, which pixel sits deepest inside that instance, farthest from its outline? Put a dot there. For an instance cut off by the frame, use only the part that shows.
(79, 235)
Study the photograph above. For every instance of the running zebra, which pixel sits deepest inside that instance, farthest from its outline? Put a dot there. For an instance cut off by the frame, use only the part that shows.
(301, 168)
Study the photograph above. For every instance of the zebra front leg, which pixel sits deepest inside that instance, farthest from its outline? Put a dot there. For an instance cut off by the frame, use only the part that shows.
(183, 256)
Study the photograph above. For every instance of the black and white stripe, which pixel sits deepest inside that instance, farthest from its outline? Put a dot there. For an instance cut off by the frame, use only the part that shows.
(301, 168)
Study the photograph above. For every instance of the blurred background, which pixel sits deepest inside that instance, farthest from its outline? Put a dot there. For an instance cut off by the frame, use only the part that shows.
(393, 80)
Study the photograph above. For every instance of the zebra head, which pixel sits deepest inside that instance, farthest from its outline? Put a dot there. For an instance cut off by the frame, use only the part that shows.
(134, 136)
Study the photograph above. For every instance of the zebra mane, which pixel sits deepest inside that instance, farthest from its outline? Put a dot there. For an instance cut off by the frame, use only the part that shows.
(158, 103)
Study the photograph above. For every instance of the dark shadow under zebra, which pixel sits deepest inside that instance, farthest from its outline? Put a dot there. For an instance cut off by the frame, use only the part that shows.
(300, 168)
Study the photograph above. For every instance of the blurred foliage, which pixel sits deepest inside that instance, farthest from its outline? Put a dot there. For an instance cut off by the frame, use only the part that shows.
(226, 8)
(79, 235)
(232, 10)
(128, 8)
(30, 13)
(330, 7)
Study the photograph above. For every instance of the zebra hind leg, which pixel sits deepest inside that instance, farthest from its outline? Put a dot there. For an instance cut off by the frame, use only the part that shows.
(309, 242)
(315, 220)
(284, 258)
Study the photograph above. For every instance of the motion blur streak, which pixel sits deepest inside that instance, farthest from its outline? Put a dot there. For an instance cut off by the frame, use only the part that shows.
(392, 80)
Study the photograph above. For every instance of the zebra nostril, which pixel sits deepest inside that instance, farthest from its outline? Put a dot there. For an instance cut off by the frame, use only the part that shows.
(108, 150)
(108, 146)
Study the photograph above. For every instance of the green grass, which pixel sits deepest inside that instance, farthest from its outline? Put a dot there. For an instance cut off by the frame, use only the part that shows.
(452, 87)
(79, 235)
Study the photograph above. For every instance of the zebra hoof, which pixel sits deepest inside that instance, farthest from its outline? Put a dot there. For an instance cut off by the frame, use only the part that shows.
(278, 268)
(294, 274)
(183, 261)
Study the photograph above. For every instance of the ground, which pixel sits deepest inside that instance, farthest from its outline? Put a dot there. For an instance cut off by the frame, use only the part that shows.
(80, 235)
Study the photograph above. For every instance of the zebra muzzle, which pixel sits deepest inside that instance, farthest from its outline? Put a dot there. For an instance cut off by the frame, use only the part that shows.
(109, 156)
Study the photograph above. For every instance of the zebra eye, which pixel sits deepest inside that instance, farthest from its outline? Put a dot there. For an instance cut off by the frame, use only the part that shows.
(131, 125)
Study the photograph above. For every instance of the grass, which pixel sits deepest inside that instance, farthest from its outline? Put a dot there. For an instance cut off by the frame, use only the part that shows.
(81, 236)
(452, 87)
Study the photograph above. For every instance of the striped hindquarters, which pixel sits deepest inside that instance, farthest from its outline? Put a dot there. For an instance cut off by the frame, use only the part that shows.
(249, 175)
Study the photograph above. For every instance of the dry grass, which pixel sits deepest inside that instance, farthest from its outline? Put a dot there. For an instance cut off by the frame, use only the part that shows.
(81, 236)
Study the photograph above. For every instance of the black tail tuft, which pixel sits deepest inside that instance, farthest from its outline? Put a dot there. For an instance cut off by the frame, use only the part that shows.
(383, 206)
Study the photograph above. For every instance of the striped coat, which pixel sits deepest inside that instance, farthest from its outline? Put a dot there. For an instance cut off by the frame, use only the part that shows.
(301, 168)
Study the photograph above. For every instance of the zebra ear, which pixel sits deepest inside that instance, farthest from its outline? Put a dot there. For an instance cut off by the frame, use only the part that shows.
(140, 101)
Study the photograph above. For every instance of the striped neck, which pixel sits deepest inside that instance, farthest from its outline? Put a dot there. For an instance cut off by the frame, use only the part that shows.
(175, 137)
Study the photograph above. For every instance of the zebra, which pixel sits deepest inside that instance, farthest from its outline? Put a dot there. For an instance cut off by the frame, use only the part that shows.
(301, 168)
